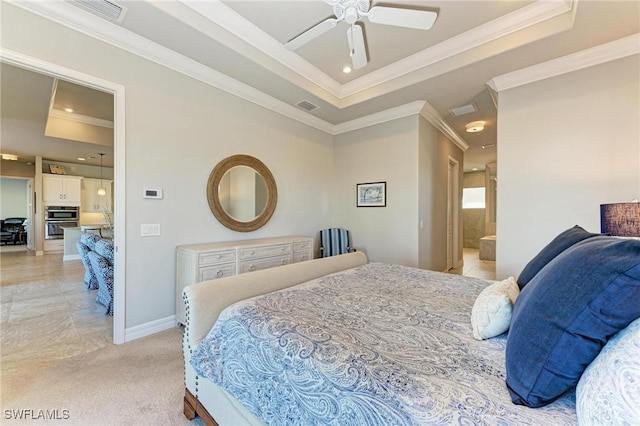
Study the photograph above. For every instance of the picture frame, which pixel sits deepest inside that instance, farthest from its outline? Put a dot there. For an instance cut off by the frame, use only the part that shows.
(57, 170)
(372, 194)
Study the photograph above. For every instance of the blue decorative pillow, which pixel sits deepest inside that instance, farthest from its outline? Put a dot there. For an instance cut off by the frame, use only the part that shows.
(559, 244)
(608, 392)
(567, 313)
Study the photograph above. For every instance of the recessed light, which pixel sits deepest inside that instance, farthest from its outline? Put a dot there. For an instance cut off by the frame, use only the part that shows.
(81, 158)
(475, 126)
(346, 69)
(68, 109)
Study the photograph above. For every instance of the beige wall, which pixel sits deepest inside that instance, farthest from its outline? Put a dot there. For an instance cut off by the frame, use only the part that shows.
(565, 145)
(434, 154)
(177, 129)
(412, 156)
(384, 152)
(17, 168)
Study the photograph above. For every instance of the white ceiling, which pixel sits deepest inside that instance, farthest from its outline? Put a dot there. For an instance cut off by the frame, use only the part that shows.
(471, 42)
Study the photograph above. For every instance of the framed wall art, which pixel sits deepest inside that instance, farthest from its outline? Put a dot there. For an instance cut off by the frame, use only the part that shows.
(57, 170)
(372, 194)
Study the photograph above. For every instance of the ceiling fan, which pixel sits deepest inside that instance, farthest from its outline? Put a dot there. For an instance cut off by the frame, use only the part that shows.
(352, 11)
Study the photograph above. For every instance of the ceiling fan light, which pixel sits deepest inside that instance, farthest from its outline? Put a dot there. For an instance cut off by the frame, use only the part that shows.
(350, 15)
(475, 126)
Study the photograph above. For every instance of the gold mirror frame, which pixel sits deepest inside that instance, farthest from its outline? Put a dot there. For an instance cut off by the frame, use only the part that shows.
(213, 197)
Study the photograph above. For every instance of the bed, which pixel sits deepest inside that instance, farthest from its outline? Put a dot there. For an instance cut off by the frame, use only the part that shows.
(343, 341)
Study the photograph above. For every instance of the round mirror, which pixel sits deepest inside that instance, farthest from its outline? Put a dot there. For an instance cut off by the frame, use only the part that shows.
(242, 193)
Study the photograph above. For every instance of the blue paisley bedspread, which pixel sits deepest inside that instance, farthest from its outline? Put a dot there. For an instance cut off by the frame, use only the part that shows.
(374, 345)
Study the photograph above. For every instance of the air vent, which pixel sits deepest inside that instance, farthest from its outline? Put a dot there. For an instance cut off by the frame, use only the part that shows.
(103, 8)
(306, 105)
(464, 109)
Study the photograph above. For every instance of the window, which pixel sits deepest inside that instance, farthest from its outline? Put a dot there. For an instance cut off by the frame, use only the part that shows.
(473, 198)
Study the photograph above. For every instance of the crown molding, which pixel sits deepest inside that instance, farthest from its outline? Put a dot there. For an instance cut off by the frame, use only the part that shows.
(503, 26)
(603, 53)
(401, 111)
(79, 118)
(310, 78)
(79, 20)
(433, 117)
(86, 23)
(227, 18)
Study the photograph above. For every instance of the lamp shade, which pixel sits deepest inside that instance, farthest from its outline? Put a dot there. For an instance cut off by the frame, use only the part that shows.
(620, 219)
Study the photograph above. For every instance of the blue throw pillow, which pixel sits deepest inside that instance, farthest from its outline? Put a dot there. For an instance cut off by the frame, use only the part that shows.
(567, 313)
(559, 244)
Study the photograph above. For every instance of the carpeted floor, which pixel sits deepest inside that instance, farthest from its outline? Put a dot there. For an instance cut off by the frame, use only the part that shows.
(137, 383)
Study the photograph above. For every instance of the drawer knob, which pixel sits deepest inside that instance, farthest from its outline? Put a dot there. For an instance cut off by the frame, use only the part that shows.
(252, 253)
(252, 267)
(219, 273)
(284, 261)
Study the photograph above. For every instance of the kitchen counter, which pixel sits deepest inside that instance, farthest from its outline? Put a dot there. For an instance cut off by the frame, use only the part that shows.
(71, 237)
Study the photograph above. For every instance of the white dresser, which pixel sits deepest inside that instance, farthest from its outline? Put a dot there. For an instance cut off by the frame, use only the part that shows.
(208, 261)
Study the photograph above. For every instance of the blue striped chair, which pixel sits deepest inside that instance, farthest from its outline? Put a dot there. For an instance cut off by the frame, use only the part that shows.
(334, 241)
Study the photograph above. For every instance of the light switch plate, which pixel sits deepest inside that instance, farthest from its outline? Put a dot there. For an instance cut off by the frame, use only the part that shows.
(150, 229)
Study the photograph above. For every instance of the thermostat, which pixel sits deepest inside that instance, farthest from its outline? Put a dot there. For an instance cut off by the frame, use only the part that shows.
(155, 194)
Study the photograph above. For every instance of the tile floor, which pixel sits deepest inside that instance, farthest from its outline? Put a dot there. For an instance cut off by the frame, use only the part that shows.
(474, 267)
(46, 311)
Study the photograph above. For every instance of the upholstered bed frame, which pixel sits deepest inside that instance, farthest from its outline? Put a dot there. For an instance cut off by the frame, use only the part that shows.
(204, 302)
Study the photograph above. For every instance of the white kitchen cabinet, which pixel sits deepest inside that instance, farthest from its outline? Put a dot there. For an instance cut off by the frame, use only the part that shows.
(209, 261)
(91, 201)
(61, 190)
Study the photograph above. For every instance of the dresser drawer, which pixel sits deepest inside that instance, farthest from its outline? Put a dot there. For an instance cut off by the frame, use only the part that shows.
(302, 246)
(256, 265)
(266, 251)
(216, 271)
(302, 257)
(216, 257)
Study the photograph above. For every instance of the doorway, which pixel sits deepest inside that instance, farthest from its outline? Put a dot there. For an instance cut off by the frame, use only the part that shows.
(73, 76)
(16, 201)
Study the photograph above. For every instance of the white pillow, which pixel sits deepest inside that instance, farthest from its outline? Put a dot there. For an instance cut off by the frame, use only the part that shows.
(608, 392)
(491, 313)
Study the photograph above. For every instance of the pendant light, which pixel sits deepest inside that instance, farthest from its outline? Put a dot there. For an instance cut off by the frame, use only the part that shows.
(101, 191)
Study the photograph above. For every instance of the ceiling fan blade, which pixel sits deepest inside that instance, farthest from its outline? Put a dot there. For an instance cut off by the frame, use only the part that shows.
(409, 18)
(357, 48)
(311, 33)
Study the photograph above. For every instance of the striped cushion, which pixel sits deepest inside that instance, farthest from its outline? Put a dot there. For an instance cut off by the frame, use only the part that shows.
(334, 241)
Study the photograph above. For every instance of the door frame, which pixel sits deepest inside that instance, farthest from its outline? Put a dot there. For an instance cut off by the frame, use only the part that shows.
(118, 91)
(453, 203)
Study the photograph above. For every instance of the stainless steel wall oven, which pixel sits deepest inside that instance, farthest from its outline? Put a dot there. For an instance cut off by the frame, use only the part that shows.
(57, 218)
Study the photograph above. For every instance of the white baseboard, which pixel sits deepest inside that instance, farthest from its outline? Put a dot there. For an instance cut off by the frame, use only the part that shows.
(70, 257)
(149, 328)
